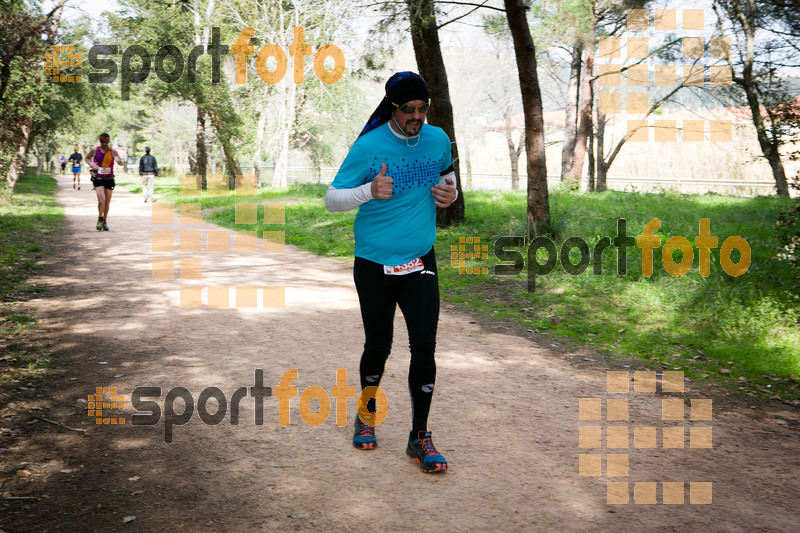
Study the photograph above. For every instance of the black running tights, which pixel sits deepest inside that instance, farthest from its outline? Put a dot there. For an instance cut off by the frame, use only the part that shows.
(417, 294)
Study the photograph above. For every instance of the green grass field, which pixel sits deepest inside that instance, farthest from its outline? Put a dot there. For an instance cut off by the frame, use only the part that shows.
(741, 332)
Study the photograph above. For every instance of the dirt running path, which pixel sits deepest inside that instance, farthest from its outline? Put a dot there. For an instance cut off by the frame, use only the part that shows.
(505, 413)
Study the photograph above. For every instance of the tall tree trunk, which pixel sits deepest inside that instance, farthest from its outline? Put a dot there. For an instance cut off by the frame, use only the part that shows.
(571, 111)
(602, 168)
(538, 213)
(585, 122)
(202, 158)
(18, 160)
(590, 170)
(262, 123)
(768, 146)
(425, 38)
(286, 119)
(234, 171)
(468, 161)
(513, 154)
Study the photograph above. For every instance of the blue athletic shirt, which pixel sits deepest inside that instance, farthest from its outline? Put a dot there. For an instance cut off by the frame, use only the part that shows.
(402, 228)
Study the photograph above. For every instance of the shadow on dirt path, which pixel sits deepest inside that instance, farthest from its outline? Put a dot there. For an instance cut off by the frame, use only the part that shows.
(505, 415)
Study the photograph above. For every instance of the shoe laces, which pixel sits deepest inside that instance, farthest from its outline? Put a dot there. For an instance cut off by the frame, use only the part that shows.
(426, 443)
(365, 430)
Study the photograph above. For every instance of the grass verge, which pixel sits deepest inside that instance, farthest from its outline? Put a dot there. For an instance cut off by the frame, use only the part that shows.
(27, 222)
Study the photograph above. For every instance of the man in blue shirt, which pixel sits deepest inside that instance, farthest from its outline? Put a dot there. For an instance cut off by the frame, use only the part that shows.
(397, 172)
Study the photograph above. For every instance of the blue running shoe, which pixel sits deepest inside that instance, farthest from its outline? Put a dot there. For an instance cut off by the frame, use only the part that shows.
(422, 452)
(364, 436)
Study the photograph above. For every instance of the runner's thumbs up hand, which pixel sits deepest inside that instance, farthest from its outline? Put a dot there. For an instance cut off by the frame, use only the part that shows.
(382, 185)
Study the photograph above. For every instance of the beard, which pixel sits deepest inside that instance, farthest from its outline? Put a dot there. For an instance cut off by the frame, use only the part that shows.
(412, 127)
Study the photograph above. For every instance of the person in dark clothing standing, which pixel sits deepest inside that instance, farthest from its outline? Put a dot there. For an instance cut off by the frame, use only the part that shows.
(148, 170)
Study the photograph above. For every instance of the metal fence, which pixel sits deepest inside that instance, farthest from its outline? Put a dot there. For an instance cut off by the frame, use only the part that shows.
(325, 175)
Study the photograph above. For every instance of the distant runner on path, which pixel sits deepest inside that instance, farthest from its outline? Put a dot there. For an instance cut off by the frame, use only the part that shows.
(396, 173)
(101, 162)
(75, 159)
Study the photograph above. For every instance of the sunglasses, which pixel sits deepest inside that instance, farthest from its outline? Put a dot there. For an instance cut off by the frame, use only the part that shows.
(409, 109)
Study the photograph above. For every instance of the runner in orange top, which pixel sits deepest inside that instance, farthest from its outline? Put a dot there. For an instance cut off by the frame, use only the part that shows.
(101, 162)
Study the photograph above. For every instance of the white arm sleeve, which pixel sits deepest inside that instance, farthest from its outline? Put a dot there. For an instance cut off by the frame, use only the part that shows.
(337, 200)
(452, 176)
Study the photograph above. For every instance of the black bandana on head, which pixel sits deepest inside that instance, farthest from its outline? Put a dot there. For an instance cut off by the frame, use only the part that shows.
(400, 88)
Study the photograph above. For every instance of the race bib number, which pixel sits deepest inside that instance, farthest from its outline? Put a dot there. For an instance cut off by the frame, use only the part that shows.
(407, 268)
(102, 171)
